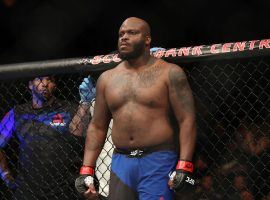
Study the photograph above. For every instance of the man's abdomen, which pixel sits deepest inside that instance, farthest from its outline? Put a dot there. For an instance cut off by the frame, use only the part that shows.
(142, 130)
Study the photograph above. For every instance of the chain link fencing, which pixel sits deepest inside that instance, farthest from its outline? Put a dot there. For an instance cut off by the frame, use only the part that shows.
(232, 158)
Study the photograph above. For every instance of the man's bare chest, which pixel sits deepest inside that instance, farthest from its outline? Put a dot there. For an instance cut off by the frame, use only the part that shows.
(146, 88)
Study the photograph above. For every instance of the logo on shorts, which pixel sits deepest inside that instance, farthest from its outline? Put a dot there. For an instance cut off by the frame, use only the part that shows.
(161, 198)
(136, 152)
(57, 120)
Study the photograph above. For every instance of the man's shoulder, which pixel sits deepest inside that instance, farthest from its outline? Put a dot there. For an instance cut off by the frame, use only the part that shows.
(102, 79)
(106, 75)
(117, 68)
(168, 67)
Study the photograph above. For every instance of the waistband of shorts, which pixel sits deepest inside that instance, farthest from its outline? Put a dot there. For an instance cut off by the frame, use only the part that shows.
(139, 152)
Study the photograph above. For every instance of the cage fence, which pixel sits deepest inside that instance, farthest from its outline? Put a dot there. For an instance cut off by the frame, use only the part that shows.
(231, 90)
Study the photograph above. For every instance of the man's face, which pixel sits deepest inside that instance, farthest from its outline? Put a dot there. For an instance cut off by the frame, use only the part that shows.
(42, 87)
(131, 42)
(239, 183)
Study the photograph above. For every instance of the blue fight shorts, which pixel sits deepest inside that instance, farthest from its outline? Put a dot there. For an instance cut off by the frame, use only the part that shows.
(142, 177)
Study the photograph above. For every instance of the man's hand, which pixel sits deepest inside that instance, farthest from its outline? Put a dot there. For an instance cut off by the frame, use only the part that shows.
(87, 91)
(85, 183)
(8, 179)
(181, 178)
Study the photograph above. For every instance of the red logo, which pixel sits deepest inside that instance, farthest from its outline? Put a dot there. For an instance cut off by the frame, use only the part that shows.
(58, 118)
(161, 198)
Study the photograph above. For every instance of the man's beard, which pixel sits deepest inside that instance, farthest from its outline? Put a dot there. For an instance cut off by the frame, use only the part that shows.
(42, 96)
(137, 52)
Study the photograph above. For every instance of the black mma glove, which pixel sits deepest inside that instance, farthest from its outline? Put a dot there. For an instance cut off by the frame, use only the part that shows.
(182, 177)
(85, 179)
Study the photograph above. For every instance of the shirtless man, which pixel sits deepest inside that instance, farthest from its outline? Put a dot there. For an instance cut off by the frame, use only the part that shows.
(148, 99)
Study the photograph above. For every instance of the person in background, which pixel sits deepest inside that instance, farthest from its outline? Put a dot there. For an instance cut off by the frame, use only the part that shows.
(50, 132)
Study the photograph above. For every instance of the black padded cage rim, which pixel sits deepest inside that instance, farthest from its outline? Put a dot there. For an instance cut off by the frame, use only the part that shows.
(100, 63)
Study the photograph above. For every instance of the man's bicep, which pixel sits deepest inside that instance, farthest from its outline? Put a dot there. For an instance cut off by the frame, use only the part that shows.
(180, 94)
(102, 114)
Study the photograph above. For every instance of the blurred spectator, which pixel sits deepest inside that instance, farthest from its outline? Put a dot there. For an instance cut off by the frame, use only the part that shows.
(252, 139)
(246, 195)
(240, 183)
(206, 189)
(240, 188)
(255, 142)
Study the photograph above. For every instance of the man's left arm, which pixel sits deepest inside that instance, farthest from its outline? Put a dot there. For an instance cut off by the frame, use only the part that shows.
(82, 117)
(182, 103)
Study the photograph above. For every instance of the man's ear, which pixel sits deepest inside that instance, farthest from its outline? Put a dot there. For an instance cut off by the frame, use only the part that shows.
(30, 85)
(148, 40)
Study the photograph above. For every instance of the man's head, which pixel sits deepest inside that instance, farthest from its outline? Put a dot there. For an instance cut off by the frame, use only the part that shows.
(134, 38)
(239, 183)
(42, 87)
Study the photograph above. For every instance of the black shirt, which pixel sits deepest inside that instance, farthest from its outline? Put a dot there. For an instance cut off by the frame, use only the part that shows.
(49, 155)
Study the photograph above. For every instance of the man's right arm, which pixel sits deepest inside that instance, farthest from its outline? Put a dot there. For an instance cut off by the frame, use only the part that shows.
(95, 139)
(7, 127)
(98, 127)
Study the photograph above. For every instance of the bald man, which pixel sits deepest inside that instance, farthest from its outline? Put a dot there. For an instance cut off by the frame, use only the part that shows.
(152, 106)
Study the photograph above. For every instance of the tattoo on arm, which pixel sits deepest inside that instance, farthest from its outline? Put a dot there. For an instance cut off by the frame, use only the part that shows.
(181, 88)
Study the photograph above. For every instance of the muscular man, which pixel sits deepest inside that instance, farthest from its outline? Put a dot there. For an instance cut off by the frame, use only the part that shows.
(151, 104)
(49, 131)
